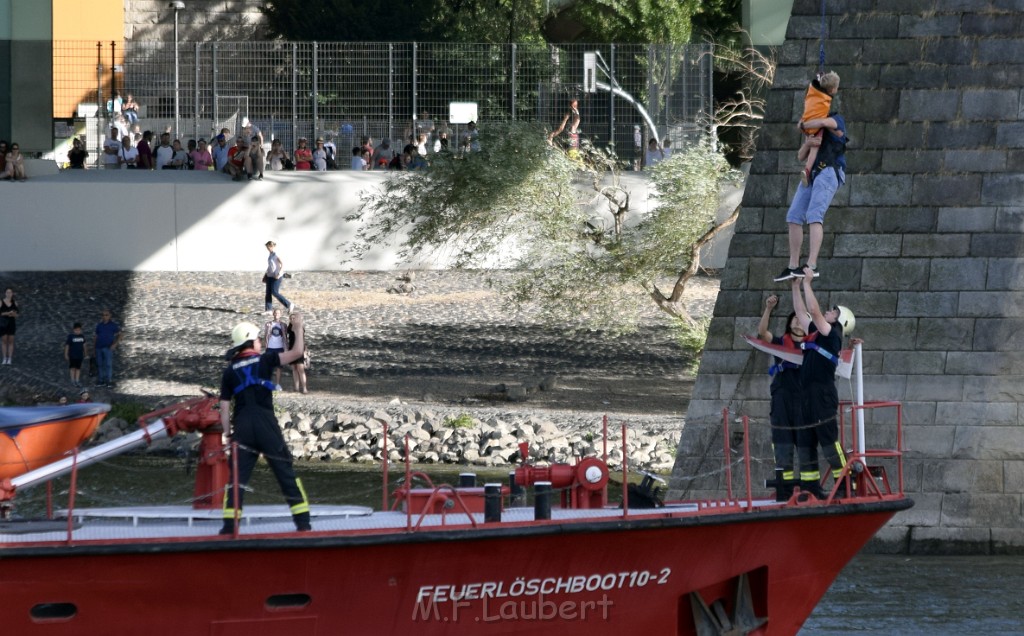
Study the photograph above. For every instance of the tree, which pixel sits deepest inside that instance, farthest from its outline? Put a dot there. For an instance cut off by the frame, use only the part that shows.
(348, 20)
(487, 21)
(517, 204)
(627, 21)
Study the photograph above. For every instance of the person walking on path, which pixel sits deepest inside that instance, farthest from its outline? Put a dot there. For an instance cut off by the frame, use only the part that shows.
(272, 279)
(108, 335)
(8, 324)
(253, 425)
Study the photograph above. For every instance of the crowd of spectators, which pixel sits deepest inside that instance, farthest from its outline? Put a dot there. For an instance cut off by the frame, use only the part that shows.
(246, 155)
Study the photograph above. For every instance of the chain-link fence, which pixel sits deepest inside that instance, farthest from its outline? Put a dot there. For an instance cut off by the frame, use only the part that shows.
(348, 90)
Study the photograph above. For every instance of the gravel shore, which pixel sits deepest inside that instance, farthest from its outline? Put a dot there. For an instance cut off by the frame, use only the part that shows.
(446, 346)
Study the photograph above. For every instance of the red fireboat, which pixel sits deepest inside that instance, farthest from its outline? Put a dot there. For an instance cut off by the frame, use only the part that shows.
(544, 553)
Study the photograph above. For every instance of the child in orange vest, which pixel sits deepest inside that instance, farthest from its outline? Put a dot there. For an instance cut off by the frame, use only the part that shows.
(817, 103)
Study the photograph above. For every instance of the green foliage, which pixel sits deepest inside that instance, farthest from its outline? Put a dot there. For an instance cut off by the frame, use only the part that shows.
(712, 18)
(494, 21)
(348, 20)
(516, 190)
(127, 411)
(634, 21)
(488, 21)
(462, 421)
(692, 336)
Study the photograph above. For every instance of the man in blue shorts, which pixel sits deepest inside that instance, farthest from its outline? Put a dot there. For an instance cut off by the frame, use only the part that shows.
(811, 201)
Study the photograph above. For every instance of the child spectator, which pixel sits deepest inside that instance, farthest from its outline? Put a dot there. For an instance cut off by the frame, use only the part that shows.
(358, 160)
(817, 105)
(74, 353)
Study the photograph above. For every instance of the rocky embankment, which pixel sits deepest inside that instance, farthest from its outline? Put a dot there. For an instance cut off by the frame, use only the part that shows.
(487, 437)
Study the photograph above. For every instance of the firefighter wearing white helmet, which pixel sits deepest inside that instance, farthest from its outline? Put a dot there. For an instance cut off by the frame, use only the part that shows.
(846, 319)
(821, 347)
(253, 426)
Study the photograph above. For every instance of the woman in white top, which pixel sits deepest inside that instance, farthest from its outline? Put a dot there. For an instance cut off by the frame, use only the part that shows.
(278, 156)
(275, 338)
(128, 157)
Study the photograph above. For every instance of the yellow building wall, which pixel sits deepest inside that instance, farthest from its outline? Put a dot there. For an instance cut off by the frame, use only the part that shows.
(77, 27)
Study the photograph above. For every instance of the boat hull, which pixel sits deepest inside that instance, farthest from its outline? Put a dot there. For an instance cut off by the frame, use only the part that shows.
(31, 437)
(624, 576)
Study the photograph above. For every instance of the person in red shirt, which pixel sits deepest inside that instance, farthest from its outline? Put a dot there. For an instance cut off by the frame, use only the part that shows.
(239, 162)
(303, 155)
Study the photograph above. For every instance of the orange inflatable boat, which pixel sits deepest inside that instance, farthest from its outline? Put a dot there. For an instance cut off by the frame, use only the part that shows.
(31, 436)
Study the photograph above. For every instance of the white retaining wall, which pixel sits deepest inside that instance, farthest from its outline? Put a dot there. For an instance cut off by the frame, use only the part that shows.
(200, 221)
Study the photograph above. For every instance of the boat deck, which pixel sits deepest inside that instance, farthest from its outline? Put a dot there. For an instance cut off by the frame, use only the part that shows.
(182, 522)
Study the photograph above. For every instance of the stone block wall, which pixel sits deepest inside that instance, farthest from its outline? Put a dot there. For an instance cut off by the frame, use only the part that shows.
(200, 20)
(923, 242)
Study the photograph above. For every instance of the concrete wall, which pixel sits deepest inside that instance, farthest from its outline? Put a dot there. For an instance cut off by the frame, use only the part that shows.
(26, 100)
(923, 243)
(200, 221)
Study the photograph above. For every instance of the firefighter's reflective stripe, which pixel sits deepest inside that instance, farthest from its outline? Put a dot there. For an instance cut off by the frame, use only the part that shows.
(302, 507)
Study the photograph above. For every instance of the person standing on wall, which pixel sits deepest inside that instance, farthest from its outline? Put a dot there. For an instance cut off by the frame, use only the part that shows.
(272, 279)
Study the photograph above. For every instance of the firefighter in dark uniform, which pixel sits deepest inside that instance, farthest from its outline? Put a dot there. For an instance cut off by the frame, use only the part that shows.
(246, 380)
(786, 399)
(821, 347)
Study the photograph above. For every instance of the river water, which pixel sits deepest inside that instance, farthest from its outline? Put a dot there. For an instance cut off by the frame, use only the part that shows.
(891, 595)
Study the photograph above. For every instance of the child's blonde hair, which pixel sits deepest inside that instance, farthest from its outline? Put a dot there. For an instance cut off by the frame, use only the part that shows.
(829, 81)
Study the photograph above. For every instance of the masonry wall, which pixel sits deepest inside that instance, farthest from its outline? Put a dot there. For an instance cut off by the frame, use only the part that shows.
(200, 20)
(923, 243)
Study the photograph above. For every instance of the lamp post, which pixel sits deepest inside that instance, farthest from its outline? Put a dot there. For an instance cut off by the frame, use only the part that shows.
(177, 6)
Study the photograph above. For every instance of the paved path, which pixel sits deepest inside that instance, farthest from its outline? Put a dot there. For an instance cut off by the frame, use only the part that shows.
(448, 342)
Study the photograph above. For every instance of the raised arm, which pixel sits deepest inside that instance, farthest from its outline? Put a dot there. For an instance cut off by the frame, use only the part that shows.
(798, 305)
(812, 304)
(762, 327)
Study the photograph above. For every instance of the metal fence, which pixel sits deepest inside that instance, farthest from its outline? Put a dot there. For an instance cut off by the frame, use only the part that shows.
(295, 89)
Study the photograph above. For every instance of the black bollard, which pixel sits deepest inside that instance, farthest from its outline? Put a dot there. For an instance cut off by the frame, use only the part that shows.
(542, 500)
(467, 480)
(492, 503)
(516, 493)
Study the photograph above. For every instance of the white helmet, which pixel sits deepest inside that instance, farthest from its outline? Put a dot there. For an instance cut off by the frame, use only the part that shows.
(846, 319)
(244, 332)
